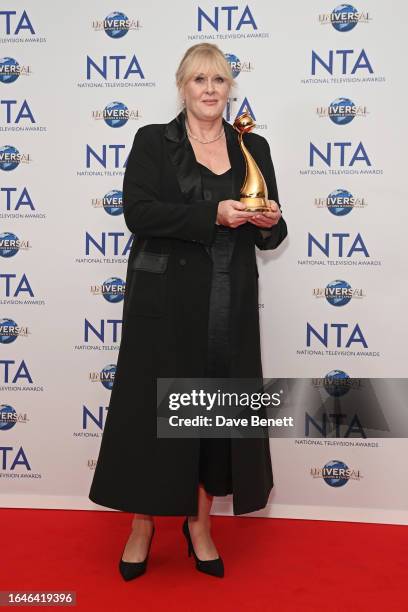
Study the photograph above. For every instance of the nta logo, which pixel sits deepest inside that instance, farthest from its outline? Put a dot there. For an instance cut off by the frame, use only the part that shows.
(226, 17)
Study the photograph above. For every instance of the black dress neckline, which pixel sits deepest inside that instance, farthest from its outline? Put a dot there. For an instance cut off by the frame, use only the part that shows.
(214, 173)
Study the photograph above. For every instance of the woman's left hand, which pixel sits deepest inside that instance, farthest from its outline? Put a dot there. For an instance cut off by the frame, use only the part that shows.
(268, 218)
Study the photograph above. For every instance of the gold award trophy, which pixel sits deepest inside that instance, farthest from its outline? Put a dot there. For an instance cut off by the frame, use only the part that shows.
(254, 192)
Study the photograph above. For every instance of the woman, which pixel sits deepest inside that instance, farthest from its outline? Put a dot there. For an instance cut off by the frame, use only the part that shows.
(190, 310)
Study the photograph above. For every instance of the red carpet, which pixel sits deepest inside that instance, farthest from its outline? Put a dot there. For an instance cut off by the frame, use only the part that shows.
(270, 564)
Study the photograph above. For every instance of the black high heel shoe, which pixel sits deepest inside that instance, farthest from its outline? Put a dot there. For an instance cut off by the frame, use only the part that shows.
(131, 570)
(213, 567)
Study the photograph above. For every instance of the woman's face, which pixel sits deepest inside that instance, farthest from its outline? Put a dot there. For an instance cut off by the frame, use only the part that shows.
(206, 94)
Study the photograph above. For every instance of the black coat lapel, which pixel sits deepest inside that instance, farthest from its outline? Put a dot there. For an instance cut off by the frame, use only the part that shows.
(183, 158)
(187, 170)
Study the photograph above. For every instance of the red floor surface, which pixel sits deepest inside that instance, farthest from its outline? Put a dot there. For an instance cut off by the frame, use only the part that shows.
(270, 564)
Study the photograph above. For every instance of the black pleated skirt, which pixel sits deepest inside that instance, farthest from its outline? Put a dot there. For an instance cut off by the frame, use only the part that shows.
(215, 471)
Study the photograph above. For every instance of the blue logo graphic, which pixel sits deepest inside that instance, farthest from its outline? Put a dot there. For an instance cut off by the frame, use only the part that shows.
(335, 331)
(9, 70)
(116, 114)
(225, 16)
(342, 61)
(336, 473)
(110, 156)
(340, 202)
(234, 63)
(344, 18)
(8, 417)
(104, 330)
(336, 383)
(113, 290)
(119, 65)
(8, 331)
(107, 376)
(113, 202)
(9, 244)
(9, 158)
(10, 17)
(342, 111)
(338, 293)
(116, 25)
(339, 240)
(339, 150)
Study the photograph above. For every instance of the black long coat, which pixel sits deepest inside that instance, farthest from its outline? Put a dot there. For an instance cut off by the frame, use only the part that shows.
(165, 325)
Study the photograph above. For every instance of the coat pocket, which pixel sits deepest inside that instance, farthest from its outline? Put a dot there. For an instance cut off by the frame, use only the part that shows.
(149, 284)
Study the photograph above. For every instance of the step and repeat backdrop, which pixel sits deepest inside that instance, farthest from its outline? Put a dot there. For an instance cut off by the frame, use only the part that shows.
(324, 83)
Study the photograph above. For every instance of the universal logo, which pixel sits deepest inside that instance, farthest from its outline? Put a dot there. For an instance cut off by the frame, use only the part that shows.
(11, 70)
(106, 376)
(10, 244)
(337, 383)
(342, 111)
(340, 202)
(116, 25)
(112, 202)
(237, 66)
(335, 473)
(113, 290)
(10, 331)
(11, 158)
(9, 417)
(116, 114)
(344, 18)
(338, 293)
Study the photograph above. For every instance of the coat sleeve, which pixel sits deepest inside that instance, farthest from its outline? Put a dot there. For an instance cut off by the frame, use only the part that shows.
(149, 216)
(270, 238)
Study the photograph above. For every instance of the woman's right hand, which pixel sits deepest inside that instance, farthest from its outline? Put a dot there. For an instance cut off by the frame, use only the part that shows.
(232, 213)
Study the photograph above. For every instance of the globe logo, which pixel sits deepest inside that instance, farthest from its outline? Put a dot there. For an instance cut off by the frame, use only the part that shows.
(116, 25)
(9, 244)
(113, 202)
(113, 290)
(340, 202)
(116, 114)
(9, 158)
(9, 70)
(338, 293)
(342, 111)
(335, 473)
(107, 376)
(344, 18)
(8, 331)
(8, 417)
(234, 63)
(337, 383)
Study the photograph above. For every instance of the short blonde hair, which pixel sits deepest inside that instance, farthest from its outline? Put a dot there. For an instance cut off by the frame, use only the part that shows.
(203, 55)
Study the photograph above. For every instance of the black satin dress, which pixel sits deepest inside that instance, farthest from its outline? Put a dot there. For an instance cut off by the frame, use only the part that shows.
(215, 453)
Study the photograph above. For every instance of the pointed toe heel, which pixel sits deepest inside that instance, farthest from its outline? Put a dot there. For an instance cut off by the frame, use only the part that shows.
(213, 567)
(129, 570)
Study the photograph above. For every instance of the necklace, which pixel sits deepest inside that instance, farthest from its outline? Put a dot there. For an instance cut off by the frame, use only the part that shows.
(204, 141)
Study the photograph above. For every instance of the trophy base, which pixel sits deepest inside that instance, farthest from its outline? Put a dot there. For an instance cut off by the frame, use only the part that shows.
(255, 204)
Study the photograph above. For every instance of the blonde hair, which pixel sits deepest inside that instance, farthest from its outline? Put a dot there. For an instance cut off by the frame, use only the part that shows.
(202, 56)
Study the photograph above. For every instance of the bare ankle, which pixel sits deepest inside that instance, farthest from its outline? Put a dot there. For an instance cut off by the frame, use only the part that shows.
(143, 521)
(199, 524)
